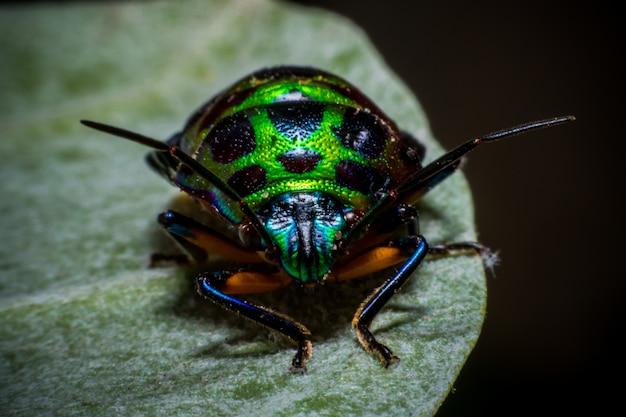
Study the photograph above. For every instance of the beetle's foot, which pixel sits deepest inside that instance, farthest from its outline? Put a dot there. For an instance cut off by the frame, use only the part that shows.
(369, 342)
(490, 259)
(385, 354)
(297, 369)
(302, 355)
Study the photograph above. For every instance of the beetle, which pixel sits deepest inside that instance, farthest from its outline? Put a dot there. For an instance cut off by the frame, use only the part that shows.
(306, 181)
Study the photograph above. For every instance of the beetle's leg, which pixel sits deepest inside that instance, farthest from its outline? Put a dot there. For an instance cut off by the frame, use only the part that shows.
(199, 240)
(490, 258)
(211, 285)
(458, 247)
(384, 256)
(372, 305)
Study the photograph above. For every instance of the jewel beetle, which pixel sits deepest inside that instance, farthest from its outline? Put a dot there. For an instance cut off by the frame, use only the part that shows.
(306, 181)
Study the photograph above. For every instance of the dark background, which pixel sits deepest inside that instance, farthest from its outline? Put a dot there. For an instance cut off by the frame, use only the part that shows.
(551, 201)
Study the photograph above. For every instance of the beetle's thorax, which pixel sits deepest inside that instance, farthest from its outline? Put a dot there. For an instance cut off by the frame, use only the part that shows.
(305, 227)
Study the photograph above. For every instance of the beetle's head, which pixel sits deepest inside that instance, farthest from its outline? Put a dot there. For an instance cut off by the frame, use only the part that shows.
(306, 227)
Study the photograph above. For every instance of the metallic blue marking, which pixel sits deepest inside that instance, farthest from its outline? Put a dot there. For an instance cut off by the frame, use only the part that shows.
(392, 285)
(226, 298)
(251, 311)
(175, 227)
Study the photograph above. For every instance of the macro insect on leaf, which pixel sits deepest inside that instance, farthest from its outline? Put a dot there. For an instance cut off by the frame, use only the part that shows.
(306, 181)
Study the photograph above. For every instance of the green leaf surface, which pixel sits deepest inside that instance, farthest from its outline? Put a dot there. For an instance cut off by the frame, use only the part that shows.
(87, 328)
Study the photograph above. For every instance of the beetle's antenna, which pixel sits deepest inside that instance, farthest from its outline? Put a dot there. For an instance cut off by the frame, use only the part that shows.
(127, 134)
(438, 170)
(527, 127)
(190, 163)
(429, 175)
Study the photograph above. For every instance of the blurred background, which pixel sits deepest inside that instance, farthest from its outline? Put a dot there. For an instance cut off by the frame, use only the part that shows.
(550, 201)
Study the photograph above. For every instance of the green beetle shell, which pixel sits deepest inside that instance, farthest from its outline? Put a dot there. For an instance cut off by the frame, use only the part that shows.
(287, 129)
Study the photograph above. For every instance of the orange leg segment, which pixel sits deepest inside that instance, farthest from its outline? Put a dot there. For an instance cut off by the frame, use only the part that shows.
(198, 240)
(368, 262)
(244, 282)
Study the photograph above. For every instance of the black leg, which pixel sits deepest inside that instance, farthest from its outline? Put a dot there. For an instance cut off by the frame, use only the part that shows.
(459, 247)
(208, 286)
(198, 240)
(184, 232)
(375, 302)
(489, 258)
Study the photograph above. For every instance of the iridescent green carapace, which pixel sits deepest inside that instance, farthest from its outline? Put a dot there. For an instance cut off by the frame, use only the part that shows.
(295, 129)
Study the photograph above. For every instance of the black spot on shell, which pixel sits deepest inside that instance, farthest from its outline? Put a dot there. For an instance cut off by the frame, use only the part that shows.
(231, 139)
(362, 132)
(248, 180)
(299, 161)
(296, 120)
(358, 177)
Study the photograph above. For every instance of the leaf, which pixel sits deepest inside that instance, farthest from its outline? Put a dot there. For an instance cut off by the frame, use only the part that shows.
(87, 328)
